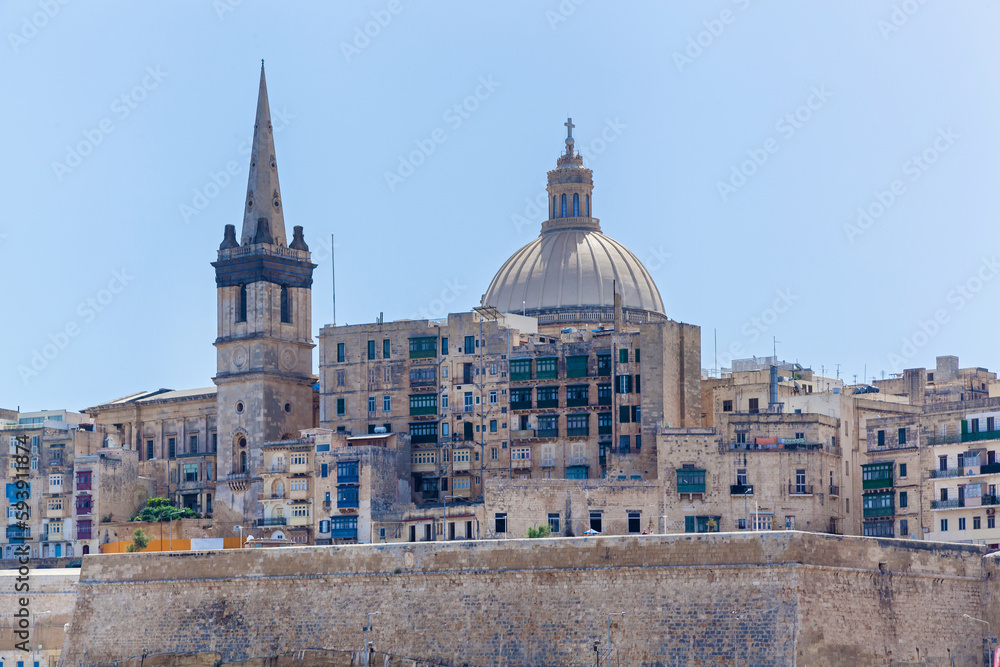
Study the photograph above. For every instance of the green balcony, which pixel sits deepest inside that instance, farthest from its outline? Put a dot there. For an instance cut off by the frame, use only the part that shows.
(877, 475)
(690, 481)
(878, 505)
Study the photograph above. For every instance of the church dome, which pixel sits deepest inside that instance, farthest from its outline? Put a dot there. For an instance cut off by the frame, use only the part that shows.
(572, 269)
(570, 273)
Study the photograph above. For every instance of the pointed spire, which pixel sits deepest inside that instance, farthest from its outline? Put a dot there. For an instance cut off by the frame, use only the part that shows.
(263, 201)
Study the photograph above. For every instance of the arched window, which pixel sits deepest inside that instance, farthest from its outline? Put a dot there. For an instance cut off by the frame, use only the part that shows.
(563, 202)
(241, 305)
(576, 205)
(555, 209)
(243, 461)
(588, 206)
(286, 306)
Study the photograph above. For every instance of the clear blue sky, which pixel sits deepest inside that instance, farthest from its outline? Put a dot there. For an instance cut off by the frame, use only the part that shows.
(162, 95)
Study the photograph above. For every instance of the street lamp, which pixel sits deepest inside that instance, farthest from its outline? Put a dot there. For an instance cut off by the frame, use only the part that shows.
(988, 639)
(33, 640)
(368, 626)
(240, 529)
(609, 632)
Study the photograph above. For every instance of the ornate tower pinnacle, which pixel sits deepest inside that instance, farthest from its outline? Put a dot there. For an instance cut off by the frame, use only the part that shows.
(263, 219)
(570, 188)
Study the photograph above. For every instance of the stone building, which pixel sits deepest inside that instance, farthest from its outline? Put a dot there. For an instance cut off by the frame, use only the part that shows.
(264, 345)
(935, 475)
(564, 369)
(175, 438)
(78, 476)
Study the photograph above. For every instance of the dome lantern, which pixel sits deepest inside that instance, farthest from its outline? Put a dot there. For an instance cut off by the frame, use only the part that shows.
(570, 273)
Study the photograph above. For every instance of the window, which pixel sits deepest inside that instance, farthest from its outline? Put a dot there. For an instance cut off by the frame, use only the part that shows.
(423, 376)
(597, 520)
(624, 444)
(286, 306)
(171, 447)
(904, 528)
(789, 523)
(347, 496)
(578, 425)
(500, 522)
(754, 405)
(976, 523)
(562, 202)
(634, 522)
(444, 401)
(690, 480)
(881, 438)
(576, 366)
(341, 376)
(991, 522)
(493, 397)
(902, 470)
(548, 426)
(520, 369)
(82, 480)
(423, 347)
(386, 403)
(903, 499)
(604, 364)
(423, 404)
(554, 522)
(371, 404)
(741, 477)
(902, 436)
(324, 470)
(624, 414)
(347, 471)
(444, 425)
(423, 432)
(241, 304)
(516, 454)
(493, 426)
(547, 368)
(341, 407)
(944, 525)
(190, 472)
(547, 397)
(444, 346)
(385, 348)
(727, 406)
(623, 384)
(961, 523)
(340, 352)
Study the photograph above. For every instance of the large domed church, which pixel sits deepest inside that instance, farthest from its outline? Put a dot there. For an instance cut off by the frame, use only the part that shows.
(571, 272)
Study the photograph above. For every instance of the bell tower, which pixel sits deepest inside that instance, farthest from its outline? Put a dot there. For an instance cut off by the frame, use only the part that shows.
(264, 345)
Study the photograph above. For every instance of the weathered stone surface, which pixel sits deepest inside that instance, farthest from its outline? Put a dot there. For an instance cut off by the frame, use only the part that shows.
(779, 598)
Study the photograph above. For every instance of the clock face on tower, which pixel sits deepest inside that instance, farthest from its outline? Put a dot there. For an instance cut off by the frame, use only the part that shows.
(240, 357)
(288, 358)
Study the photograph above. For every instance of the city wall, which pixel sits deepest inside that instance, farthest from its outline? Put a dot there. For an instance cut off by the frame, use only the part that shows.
(779, 598)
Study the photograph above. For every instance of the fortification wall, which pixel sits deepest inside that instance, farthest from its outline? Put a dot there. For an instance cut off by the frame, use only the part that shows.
(780, 598)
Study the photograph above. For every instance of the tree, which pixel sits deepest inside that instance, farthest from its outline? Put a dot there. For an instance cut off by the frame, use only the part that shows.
(162, 509)
(139, 541)
(541, 531)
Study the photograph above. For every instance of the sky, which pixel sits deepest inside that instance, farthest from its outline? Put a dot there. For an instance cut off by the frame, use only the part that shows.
(815, 178)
